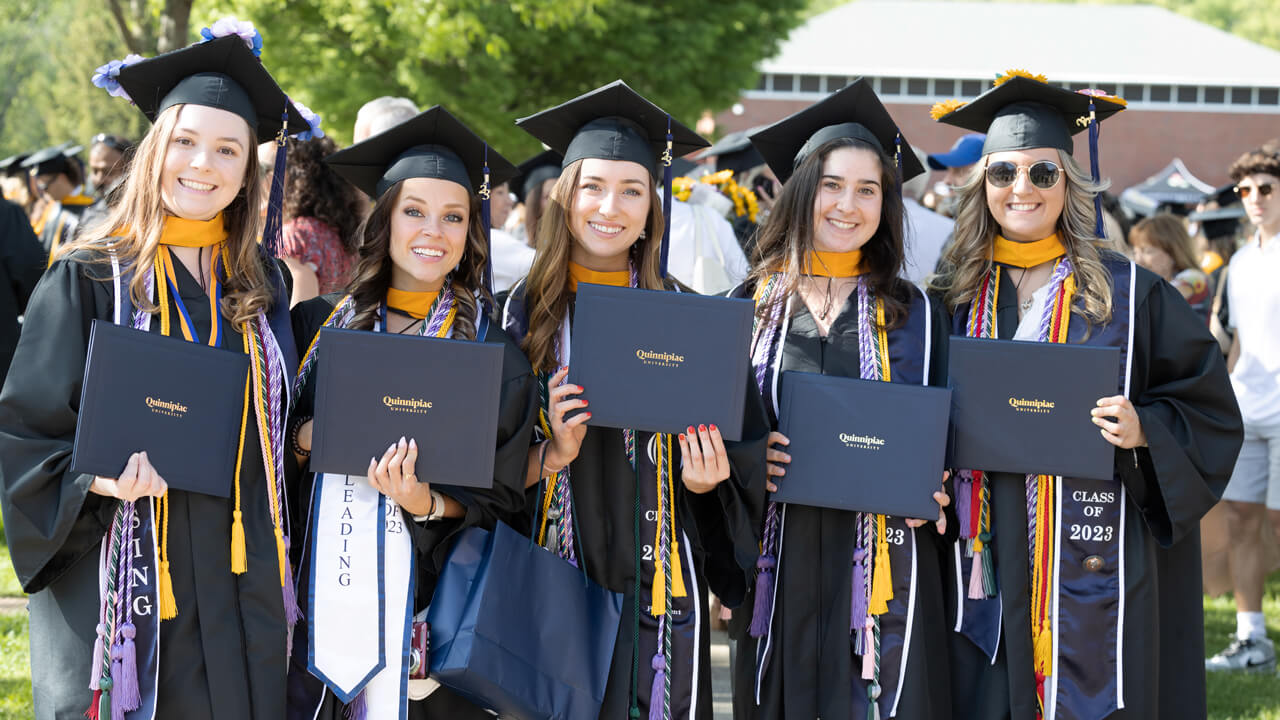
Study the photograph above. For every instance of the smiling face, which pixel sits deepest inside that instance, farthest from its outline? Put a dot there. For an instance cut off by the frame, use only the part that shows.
(846, 207)
(1026, 213)
(428, 232)
(204, 163)
(610, 209)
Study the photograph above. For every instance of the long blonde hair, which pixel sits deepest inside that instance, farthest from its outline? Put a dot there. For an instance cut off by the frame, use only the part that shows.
(547, 287)
(968, 258)
(247, 290)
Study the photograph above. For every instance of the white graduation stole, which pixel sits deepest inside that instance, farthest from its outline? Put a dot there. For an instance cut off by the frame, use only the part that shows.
(360, 604)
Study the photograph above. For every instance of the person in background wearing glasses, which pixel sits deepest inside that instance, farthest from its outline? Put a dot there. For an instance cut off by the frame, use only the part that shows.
(59, 178)
(1254, 361)
(109, 157)
(1090, 605)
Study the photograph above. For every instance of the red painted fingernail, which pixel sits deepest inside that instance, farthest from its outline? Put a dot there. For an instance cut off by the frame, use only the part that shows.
(713, 428)
(702, 428)
(690, 430)
(681, 437)
(584, 403)
(588, 414)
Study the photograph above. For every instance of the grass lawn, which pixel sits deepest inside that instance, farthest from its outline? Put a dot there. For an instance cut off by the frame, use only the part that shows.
(1231, 697)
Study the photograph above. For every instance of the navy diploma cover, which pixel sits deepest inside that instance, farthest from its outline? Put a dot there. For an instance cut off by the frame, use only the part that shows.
(863, 445)
(374, 388)
(661, 361)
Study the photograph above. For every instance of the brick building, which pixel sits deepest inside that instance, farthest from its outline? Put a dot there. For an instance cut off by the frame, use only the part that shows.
(1194, 91)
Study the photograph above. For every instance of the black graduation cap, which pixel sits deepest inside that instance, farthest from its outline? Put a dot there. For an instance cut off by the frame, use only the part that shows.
(536, 170)
(221, 73)
(854, 111)
(1023, 113)
(612, 122)
(432, 144)
(12, 165)
(734, 152)
(1219, 222)
(51, 160)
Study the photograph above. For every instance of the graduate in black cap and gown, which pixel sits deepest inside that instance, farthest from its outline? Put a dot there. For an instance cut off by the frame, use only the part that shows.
(422, 270)
(819, 637)
(22, 263)
(1098, 613)
(597, 494)
(15, 182)
(193, 620)
(60, 179)
(532, 188)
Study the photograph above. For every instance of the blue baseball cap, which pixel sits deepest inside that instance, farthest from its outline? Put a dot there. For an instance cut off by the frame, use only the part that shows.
(966, 151)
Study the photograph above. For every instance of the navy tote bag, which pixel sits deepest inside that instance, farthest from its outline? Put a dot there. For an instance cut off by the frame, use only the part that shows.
(518, 630)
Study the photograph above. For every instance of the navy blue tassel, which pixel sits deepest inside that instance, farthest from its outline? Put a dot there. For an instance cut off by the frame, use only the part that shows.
(666, 205)
(1093, 169)
(897, 161)
(488, 236)
(275, 201)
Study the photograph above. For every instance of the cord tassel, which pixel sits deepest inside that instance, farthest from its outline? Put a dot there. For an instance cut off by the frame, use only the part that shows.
(656, 690)
(762, 608)
(239, 563)
(126, 675)
(881, 579)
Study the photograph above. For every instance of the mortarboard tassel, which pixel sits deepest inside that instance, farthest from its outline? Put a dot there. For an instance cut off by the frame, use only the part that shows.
(275, 201)
(666, 205)
(488, 235)
(897, 161)
(1094, 130)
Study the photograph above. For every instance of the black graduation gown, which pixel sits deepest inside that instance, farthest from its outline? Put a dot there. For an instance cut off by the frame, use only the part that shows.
(21, 264)
(517, 413)
(63, 221)
(1180, 389)
(722, 528)
(812, 671)
(223, 656)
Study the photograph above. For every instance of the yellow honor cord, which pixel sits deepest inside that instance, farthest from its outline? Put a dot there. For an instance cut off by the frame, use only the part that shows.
(677, 574)
(882, 575)
(168, 604)
(1026, 254)
(578, 273)
(659, 592)
(239, 558)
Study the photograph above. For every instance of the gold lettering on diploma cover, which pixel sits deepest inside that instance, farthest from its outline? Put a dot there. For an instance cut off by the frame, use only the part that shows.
(409, 405)
(862, 442)
(659, 359)
(1031, 406)
(167, 407)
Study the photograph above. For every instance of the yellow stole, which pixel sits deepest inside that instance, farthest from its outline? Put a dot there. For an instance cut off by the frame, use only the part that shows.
(1027, 254)
(414, 304)
(578, 273)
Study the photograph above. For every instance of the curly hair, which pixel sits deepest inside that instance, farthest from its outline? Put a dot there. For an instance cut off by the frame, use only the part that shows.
(313, 189)
(1264, 160)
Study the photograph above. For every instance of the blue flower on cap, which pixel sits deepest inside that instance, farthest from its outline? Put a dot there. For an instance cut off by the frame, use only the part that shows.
(107, 76)
(231, 26)
(313, 122)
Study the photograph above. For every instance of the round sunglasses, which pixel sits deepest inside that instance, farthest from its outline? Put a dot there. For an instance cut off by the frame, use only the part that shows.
(1043, 174)
(1245, 191)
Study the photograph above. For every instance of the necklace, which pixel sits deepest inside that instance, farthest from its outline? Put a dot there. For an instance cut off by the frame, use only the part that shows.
(1023, 305)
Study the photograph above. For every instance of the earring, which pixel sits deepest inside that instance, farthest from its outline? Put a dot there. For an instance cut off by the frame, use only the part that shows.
(643, 234)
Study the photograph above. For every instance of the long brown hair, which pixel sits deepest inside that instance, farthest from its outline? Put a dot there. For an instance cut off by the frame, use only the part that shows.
(141, 209)
(372, 275)
(786, 239)
(968, 258)
(547, 287)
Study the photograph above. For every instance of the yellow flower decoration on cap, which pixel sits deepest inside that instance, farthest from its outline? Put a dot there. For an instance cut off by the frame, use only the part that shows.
(1018, 72)
(944, 108)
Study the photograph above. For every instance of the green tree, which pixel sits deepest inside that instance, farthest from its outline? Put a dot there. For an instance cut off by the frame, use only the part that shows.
(492, 61)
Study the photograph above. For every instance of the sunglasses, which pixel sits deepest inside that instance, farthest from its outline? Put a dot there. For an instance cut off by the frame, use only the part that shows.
(1043, 174)
(1245, 191)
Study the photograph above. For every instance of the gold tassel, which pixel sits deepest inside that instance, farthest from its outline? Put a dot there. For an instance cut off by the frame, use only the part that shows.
(280, 554)
(1044, 652)
(239, 564)
(659, 589)
(168, 605)
(882, 579)
(677, 576)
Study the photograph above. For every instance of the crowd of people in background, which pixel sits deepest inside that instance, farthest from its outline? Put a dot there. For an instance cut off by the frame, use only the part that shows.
(738, 221)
